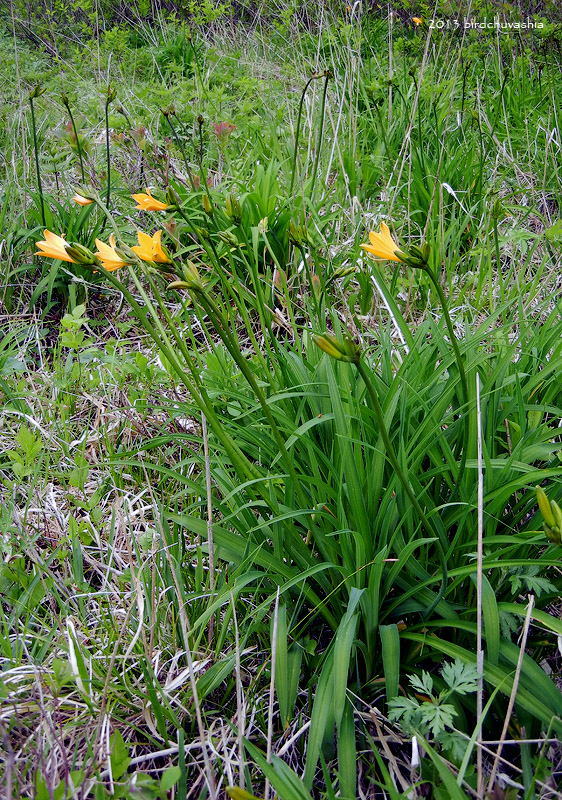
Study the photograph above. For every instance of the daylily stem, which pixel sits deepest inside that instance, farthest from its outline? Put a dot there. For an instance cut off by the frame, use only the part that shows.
(327, 76)
(314, 77)
(108, 194)
(78, 145)
(35, 147)
(182, 150)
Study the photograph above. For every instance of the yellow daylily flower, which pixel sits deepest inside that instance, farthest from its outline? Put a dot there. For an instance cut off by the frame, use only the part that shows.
(150, 249)
(146, 202)
(417, 20)
(109, 258)
(54, 247)
(382, 245)
(82, 201)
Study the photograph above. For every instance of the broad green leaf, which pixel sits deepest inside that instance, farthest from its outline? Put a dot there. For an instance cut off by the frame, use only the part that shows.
(119, 757)
(169, 779)
(390, 640)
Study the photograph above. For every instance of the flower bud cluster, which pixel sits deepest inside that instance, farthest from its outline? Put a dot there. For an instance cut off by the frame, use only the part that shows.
(552, 515)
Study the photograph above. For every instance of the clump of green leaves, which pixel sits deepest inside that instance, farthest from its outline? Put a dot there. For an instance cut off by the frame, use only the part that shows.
(23, 459)
(430, 712)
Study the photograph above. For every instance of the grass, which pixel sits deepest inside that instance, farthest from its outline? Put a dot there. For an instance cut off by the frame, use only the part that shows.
(232, 563)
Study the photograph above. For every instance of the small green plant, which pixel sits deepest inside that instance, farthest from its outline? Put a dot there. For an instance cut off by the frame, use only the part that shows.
(432, 713)
(24, 460)
(72, 335)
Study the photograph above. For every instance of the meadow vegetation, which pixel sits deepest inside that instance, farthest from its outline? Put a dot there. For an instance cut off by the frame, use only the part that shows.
(280, 512)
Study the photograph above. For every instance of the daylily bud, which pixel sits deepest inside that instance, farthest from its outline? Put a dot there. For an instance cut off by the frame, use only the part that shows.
(552, 535)
(328, 344)
(557, 515)
(192, 279)
(207, 207)
(232, 208)
(80, 254)
(125, 253)
(191, 275)
(179, 285)
(416, 257)
(342, 272)
(166, 253)
(172, 199)
(316, 285)
(544, 506)
(203, 233)
(498, 211)
(341, 351)
(263, 225)
(37, 92)
(339, 273)
(111, 95)
(228, 238)
(298, 234)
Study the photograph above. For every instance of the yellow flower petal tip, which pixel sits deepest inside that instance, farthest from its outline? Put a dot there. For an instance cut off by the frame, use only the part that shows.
(53, 247)
(146, 202)
(108, 256)
(382, 245)
(82, 201)
(417, 20)
(150, 249)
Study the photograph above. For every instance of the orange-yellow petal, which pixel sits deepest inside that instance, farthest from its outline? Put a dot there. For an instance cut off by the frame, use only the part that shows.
(150, 249)
(107, 255)
(158, 253)
(82, 201)
(417, 20)
(146, 202)
(144, 247)
(382, 245)
(53, 247)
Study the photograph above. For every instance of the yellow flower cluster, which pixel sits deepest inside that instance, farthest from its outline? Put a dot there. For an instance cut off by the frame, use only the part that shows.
(381, 245)
(149, 248)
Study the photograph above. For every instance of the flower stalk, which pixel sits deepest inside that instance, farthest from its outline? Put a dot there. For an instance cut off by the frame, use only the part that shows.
(37, 92)
(315, 77)
(111, 95)
(66, 103)
(327, 76)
